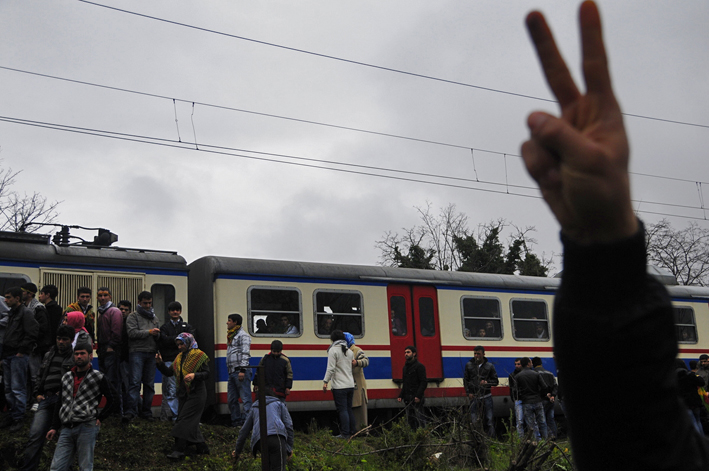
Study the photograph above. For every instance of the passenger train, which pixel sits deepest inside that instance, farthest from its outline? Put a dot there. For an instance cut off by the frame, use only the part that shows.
(444, 314)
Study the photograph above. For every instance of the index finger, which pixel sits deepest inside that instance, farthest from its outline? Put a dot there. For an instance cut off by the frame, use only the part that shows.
(555, 69)
(595, 61)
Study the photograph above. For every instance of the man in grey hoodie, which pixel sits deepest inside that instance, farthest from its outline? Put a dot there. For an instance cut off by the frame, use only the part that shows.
(143, 330)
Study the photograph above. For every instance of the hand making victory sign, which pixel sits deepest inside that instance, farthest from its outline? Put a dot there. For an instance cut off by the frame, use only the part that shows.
(580, 159)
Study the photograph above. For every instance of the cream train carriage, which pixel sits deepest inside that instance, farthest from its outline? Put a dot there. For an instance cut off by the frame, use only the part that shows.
(126, 272)
(445, 314)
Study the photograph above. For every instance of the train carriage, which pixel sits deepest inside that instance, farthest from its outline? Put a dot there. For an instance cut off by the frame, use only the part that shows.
(445, 314)
(33, 258)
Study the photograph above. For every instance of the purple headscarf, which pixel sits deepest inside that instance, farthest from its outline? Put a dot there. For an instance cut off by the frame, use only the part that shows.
(187, 339)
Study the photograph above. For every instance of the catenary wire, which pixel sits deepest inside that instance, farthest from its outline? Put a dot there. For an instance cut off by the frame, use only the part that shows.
(288, 118)
(373, 66)
(221, 150)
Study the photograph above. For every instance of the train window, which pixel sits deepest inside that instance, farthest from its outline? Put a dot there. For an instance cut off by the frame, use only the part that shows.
(481, 318)
(428, 324)
(338, 310)
(529, 319)
(398, 316)
(685, 326)
(275, 311)
(11, 280)
(162, 296)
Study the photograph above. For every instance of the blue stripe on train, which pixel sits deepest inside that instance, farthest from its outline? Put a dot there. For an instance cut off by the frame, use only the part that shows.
(313, 368)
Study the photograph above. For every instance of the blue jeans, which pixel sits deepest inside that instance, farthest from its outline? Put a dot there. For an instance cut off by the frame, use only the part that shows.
(142, 371)
(110, 366)
(549, 416)
(168, 408)
(41, 423)
(519, 418)
(15, 379)
(534, 419)
(235, 390)
(343, 404)
(484, 405)
(79, 441)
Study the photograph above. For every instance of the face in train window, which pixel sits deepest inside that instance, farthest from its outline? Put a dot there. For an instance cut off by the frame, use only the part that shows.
(481, 318)
(685, 326)
(275, 311)
(399, 325)
(338, 310)
(530, 320)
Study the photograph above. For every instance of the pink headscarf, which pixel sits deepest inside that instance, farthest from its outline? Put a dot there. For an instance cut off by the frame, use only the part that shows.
(76, 320)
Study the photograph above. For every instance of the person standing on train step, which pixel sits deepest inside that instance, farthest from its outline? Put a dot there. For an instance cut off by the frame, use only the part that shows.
(109, 335)
(413, 388)
(82, 304)
(360, 400)
(48, 296)
(548, 396)
(19, 341)
(277, 370)
(143, 334)
(514, 395)
(169, 351)
(531, 385)
(238, 356)
(44, 337)
(480, 377)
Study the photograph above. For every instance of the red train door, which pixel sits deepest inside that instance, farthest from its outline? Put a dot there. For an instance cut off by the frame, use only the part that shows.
(413, 320)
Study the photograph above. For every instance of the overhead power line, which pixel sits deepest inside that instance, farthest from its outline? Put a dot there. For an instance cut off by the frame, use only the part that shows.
(300, 120)
(366, 64)
(311, 162)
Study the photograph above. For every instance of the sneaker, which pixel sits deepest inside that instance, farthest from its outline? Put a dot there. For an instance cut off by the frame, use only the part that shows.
(35, 406)
(176, 456)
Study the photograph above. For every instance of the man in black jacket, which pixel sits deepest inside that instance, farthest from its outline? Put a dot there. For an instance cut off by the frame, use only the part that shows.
(548, 396)
(514, 395)
(531, 385)
(168, 351)
(48, 296)
(277, 370)
(480, 376)
(413, 387)
(19, 341)
(45, 336)
(58, 360)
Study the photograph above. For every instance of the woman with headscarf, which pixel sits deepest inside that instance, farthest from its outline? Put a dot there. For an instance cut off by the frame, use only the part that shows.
(191, 369)
(359, 400)
(76, 319)
(339, 375)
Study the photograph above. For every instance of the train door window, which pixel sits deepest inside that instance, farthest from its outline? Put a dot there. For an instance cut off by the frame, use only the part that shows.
(162, 296)
(426, 316)
(275, 311)
(481, 318)
(398, 316)
(11, 280)
(529, 319)
(338, 310)
(685, 325)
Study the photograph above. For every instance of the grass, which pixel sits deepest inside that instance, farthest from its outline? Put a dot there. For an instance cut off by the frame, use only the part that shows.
(448, 443)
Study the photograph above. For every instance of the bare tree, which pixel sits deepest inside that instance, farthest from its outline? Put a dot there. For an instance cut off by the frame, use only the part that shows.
(684, 252)
(20, 213)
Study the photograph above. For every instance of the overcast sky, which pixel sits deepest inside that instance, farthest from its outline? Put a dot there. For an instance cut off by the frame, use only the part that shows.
(203, 203)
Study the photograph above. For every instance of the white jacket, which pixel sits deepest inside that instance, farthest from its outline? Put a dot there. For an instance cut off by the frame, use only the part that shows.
(339, 366)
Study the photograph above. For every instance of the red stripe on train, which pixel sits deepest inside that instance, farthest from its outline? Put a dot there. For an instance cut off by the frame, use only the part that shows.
(447, 348)
(390, 393)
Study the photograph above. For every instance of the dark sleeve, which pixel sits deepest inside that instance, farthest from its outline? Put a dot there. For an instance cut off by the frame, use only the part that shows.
(493, 380)
(44, 337)
(31, 329)
(111, 396)
(255, 378)
(421, 373)
(203, 372)
(165, 370)
(466, 379)
(54, 314)
(608, 303)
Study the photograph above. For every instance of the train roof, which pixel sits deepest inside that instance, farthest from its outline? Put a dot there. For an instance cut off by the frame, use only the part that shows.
(40, 251)
(215, 267)
(228, 266)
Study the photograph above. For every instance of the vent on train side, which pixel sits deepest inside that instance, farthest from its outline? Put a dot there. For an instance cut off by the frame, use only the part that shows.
(122, 286)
